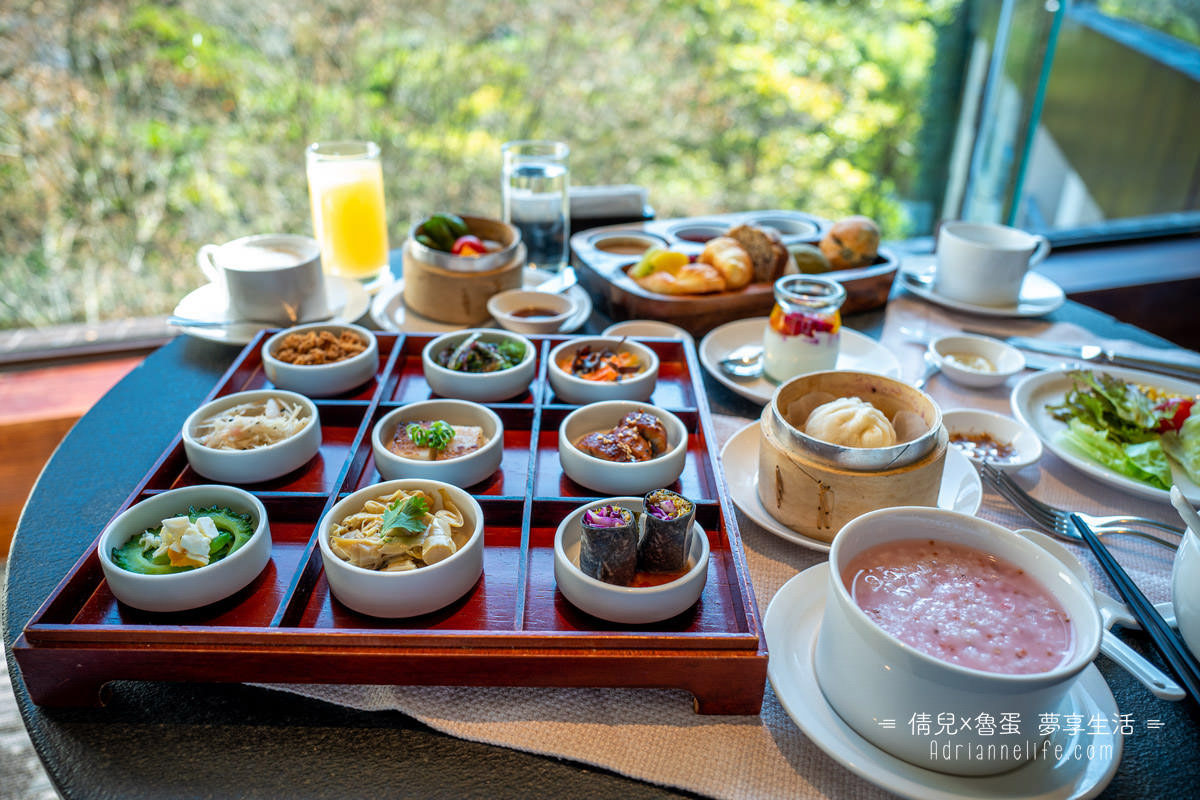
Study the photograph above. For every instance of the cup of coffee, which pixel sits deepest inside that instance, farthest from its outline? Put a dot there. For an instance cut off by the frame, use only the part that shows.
(984, 264)
(274, 278)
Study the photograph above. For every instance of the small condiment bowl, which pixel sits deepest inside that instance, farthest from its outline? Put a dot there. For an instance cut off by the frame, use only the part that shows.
(866, 674)
(952, 353)
(578, 391)
(632, 605)
(481, 387)
(1001, 430)
(321, 380)
(506, 308)
(193, 588)
(261, 463)
(612, 477)
(638, 328)
(403, 594)
(466, 470)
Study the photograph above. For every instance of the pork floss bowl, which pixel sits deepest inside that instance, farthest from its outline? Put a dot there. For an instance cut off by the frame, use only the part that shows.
(835, 445)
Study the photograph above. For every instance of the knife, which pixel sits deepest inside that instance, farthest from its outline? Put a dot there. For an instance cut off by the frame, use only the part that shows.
(1095, 354)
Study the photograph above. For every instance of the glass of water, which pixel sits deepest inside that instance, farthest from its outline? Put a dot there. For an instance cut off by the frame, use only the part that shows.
(535, 181)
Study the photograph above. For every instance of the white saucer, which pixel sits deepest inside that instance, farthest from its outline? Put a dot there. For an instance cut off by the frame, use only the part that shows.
(858, 352)
(1039, 295)
(790, 626)
(390, 314)
(347, 300)
(961, 489)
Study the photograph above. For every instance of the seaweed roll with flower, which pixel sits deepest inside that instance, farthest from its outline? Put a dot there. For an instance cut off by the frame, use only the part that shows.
(666, 535)
(608, 545)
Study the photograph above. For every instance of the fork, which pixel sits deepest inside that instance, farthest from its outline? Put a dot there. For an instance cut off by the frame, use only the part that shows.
(1057, 521)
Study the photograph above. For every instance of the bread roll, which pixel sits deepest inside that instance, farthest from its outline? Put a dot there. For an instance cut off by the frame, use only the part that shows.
(767, 254)
(730, 259)
(851, 243)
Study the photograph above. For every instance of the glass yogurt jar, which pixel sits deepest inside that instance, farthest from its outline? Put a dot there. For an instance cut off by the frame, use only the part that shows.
(803, 332)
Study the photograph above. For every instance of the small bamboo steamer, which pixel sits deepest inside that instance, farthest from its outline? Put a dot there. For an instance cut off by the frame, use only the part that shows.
(814, 487)
(436, 290)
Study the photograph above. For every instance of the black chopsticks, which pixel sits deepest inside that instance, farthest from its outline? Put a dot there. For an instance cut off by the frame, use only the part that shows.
(1181, 661)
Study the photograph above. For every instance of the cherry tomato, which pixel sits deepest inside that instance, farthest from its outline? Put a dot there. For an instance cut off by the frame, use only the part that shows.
(1175, 412)
(468, 246)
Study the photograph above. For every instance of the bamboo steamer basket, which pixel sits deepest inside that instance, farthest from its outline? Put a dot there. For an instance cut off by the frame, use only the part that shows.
(814, 487)
(455, 289)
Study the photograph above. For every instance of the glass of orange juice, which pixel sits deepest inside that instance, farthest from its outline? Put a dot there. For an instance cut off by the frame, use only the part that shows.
(345, 187)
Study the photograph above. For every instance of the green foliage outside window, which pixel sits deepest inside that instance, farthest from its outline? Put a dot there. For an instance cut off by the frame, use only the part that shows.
(131, 133)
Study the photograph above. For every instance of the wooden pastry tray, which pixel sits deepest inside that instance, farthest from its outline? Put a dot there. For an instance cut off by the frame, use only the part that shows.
(514, 628)
(603, 273)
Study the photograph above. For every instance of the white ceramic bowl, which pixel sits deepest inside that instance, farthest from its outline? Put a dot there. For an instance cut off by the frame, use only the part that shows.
(322, 380)
(403, 594)
(466, 470)
(193, 588)
(482, 387)
(504, 305)
(647, 327)
(1005, 359)
(627, 604)
(261, 463)
(611, 477)
(578, 391)
(868, 675)
(1185, 590)
(1027, 447)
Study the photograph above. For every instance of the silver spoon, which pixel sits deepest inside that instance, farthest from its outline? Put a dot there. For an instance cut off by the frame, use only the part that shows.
(744, 362)
(931, 368)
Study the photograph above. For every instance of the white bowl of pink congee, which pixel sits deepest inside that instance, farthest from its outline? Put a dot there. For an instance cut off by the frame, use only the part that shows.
(931, 612)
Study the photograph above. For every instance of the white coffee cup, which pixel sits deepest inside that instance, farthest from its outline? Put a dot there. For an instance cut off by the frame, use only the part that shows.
(984, 264)
(274, 277)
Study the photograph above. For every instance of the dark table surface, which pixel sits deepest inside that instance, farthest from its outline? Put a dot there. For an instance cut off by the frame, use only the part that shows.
(176, 740)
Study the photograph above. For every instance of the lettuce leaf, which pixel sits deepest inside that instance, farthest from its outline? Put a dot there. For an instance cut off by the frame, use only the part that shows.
(1145, 461)
(1184, 445)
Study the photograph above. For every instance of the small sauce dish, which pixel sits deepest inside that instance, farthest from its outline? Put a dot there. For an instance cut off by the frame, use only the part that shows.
(976, 361)
(638, 328)
(1002, 441)
(525, 311)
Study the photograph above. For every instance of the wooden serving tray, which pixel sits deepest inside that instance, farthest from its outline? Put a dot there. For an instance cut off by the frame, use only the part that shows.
(514, 628)
(603, 272)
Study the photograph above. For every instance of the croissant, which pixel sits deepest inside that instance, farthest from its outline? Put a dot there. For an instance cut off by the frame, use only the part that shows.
(695, 278)
(730, 259)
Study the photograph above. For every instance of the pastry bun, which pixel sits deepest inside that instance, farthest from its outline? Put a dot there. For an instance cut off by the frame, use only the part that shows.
(730, 259)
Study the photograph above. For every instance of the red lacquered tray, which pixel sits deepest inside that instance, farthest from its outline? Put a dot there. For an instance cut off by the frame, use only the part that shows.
(512, 629)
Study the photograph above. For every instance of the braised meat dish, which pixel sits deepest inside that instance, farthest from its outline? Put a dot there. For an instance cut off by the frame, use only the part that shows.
(639, 436)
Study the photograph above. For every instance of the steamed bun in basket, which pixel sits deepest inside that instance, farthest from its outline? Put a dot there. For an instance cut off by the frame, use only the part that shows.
(850, 422)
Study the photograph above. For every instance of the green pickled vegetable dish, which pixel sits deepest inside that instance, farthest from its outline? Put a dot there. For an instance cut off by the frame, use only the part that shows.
(160, 551)
(475, 355)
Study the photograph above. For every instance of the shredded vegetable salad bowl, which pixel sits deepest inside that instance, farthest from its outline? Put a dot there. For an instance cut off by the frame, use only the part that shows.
(402, 548)
(185, 548)
(479, 364)
(250, 437)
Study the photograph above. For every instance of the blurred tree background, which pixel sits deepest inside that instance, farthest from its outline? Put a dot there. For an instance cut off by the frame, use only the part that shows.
(131, 133)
